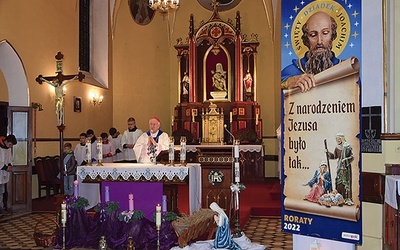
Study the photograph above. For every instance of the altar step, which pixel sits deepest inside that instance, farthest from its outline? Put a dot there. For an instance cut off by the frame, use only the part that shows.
(272, 205)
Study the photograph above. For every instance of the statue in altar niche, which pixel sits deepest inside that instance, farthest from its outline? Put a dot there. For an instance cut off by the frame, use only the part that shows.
(185, 87)
(248, 83)
(219, 82)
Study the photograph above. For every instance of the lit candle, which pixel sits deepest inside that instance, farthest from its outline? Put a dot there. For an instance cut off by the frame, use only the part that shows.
(107, 193)
(76, 192)
(63, 213)
(99, 150)
(164, 203)
(158, 216)
(88, 148)
(131, 207)
(230, 117)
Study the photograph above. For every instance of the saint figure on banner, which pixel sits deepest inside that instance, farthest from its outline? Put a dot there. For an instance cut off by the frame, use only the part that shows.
(344, 155)
(319, 32)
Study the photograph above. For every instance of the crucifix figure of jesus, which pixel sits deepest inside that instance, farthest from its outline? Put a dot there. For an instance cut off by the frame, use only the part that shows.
(58, 82)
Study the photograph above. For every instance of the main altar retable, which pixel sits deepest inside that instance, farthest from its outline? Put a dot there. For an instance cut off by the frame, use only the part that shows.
(217, 103)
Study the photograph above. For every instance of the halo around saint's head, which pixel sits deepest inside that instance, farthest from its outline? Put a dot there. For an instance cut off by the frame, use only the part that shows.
(332, 8)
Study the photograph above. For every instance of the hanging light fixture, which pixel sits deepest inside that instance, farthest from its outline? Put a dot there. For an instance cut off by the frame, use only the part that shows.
(164, 6)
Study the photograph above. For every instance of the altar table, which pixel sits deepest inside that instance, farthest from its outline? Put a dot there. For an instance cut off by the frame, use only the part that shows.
(135, 172)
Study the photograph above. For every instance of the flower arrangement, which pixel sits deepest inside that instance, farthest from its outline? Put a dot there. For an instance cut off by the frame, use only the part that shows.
(105, 209)
(108, 207)
(246, 135)
(177, 134)
(237, 187)
(77, 202)
(128, 215)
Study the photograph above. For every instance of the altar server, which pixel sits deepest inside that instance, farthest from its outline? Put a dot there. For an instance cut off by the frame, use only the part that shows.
(108, 149)
(151, 143)
(80, 150)
(129, 139)
(6, 163)
(115, 139)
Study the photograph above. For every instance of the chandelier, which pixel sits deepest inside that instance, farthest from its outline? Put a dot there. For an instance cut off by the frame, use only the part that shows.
(164, 6)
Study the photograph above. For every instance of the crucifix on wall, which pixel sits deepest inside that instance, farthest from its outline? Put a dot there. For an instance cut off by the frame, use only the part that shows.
(58, 82)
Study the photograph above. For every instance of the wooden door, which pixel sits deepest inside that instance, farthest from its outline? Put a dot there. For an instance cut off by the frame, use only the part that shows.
(20, 185)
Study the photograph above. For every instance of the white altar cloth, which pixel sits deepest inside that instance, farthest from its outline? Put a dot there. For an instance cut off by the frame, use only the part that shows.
(392, 189)
(91, 191)
(244, 147)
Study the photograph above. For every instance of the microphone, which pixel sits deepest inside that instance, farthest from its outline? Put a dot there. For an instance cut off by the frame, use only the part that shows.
(229, 132)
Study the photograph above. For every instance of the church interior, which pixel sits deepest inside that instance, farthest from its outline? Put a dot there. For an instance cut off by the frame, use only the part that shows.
(210, 71)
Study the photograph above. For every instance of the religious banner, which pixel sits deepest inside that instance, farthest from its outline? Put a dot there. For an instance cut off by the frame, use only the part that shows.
(321, 119)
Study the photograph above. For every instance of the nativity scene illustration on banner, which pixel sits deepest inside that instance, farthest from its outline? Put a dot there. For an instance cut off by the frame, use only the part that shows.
(217, 83)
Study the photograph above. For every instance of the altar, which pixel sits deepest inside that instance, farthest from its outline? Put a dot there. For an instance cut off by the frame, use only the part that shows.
(90, 179)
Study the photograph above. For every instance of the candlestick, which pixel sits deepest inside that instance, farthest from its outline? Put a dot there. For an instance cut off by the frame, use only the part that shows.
(63, 213)
(171, 151)
(131, 207)
(158, 216)
(99, 149)
(76, 190)
(107, 193)
(183, 150)
(88, 147)
(164, 203)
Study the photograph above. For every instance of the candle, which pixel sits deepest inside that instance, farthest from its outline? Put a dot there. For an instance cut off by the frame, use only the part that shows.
(257, 119)
(236, 149)
(164, 203)
(158, 216)
(88, 148)
(230, 117)
(63, 213)
(192, 115)
(107, 193)
(183, 149)
(171, 150)
(99, 150)
(131, 207)
(76, 192)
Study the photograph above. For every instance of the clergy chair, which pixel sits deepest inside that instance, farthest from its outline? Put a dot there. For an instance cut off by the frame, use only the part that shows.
(47, 178)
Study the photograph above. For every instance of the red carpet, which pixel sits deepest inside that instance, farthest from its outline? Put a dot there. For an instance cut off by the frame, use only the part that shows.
(258, 199)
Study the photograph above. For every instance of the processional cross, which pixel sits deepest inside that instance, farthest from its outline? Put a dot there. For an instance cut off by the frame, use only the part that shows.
(58, 82)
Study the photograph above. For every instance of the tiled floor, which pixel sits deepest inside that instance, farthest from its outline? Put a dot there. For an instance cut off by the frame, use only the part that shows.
(16, 231)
